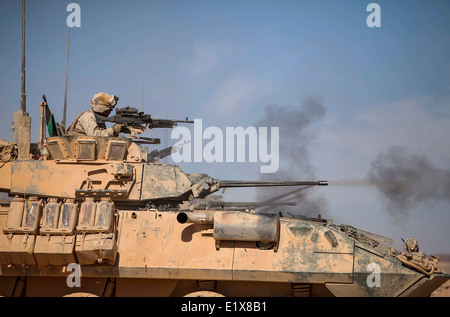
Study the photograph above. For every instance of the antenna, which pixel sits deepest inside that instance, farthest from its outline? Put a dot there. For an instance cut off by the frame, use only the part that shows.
(22, 122)
(63, 123)
(23, 97)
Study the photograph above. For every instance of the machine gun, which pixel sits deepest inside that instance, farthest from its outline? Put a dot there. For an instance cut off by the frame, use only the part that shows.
(136, 122)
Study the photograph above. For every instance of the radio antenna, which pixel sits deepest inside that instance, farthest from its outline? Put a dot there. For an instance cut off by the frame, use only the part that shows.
(23, 97)
(67, 76)
(22, 122)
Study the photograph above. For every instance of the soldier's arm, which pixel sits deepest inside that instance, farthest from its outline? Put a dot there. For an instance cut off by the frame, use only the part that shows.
(91, 128)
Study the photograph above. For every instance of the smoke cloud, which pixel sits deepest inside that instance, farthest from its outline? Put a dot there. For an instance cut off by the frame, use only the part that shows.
(295, 127)
(405, 180)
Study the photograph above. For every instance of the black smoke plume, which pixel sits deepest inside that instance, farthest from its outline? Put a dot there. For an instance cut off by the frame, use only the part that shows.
(296, 133)
(405, 181)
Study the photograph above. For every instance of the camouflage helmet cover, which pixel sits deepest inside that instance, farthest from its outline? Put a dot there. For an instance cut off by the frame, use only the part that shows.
(102, 102)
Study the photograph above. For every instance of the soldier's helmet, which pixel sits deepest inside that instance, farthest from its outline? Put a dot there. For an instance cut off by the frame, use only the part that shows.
(102, 102)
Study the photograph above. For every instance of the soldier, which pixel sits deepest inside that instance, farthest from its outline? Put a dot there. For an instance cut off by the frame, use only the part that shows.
(86, 123)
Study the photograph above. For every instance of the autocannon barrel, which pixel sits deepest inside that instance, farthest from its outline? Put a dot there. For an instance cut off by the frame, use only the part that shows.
(270, 183)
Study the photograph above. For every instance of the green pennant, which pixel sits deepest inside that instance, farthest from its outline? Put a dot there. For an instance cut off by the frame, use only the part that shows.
(51, 124)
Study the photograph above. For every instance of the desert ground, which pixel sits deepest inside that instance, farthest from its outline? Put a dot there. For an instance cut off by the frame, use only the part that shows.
(444, 290)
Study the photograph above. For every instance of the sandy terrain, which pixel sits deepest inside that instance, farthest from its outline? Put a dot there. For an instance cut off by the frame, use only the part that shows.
(444, 290)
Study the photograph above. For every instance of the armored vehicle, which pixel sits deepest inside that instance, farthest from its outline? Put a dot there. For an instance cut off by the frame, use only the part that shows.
(99, 216)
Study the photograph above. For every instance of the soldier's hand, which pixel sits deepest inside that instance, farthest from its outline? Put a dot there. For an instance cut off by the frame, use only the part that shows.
(118, 128)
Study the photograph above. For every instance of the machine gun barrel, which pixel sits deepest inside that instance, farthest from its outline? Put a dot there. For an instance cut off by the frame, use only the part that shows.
(269, 183)
(132, 117)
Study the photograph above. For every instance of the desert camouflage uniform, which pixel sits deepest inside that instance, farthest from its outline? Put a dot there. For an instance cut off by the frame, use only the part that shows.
(86, 124)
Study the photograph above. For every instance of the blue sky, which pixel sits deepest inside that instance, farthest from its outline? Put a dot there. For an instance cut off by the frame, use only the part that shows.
(224, 61)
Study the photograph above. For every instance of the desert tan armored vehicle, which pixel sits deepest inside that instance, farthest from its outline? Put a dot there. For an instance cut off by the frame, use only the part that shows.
(98, 216)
